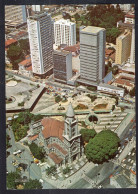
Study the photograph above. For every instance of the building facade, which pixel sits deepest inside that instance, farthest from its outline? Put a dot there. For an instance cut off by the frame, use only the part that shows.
(92, 54)
(132, 53)
(64, 32)
(62, 65)
(41, 43)
(15, 13)
(130, 18)
(61, 140)
(123, 46)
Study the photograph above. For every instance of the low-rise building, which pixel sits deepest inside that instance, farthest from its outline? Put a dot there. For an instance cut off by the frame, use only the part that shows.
(130, 17)
(10, 42)
(75, 49)
(123, 83)
(110, 89)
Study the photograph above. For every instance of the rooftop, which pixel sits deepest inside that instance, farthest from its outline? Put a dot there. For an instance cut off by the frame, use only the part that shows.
(110, 86)
(61, 52)
(123, 82)
(58, 147)
(9, 42)
(92, 29)
(73, 48)
(55, 158)
(25, 62)
(32, 138)
(65, 22)
(52, 128)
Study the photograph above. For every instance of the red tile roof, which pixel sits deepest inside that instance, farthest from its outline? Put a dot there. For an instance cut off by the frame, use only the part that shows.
(52, 128)
(123, 82)
(55, 158)
(25, 62)
(58, 147)
(32, 138)
(126, 78)
(9, 42)
(29, 68)
(73, 48)
(108, 51)
(130, 16)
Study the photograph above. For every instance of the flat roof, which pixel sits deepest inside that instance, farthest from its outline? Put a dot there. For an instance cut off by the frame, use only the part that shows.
(92, 29)
(110, 86)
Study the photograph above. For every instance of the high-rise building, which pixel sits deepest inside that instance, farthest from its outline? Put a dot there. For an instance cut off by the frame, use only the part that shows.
(132, 54)
(15, 13)
(123, 45)
(41, 42)
(62, 65)
(65, 32)
(92, 55)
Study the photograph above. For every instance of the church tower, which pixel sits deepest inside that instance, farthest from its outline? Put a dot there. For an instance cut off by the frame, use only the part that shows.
(72, 137)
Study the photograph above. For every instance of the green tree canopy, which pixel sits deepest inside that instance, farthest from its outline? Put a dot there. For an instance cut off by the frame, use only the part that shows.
(11, 180)
(37, 151)
(102, 147)
(51, 170)
(33, 184)
(132, 92)
(24, 45)
(87, 134)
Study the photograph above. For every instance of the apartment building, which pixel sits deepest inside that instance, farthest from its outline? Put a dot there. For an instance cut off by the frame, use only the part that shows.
(92, 55)
(62, 65)
(15, 13)
(65, 32)
(41, 42)
(123, 46)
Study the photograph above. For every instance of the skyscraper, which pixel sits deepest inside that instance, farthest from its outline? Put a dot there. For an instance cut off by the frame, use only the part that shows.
(132, 54)
(15, 13)
(65, 32)
(123, 45)
(92, 55)
(41, 42)
(62, 65)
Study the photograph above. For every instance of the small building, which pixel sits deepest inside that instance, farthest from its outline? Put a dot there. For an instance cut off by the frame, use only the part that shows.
(123, 83)
(62, 66)
(110, 89)
(75, 49)
(23, 65)
(108, 53)
(130, 17)
(61, 140)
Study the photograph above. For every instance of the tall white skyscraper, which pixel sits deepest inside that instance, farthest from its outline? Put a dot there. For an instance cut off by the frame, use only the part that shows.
(41, 42)
(92, 55)
(65, 32)
(132, 54)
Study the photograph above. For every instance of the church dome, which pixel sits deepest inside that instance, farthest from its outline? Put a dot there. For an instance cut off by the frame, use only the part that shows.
(70, 111)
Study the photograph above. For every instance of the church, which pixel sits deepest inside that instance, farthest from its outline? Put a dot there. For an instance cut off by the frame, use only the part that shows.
(60, 139)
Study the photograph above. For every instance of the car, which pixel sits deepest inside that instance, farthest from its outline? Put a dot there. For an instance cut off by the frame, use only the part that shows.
(117, 155)
(133, 154)
(119, 148)
(129, 153)
(100, 186)
(120, 151)
(129, 160)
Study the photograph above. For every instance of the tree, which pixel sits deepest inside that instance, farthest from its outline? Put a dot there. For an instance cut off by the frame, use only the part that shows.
(51, 170)
(87, 134)
(115, 69)
(24, 45)
(132, 92)
(33, 184)
(8, 145)
(67, 16)
(58, 99)
(37, 151)
(66, 170)
(11, 180)
(102, 147)
(76, 16)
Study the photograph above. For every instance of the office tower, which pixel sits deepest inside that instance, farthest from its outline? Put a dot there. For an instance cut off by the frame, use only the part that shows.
(41, 42)
(132, 54)
(92, 55)
(123, 45)
(65, 32)
(15, 13)
(62, 65)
